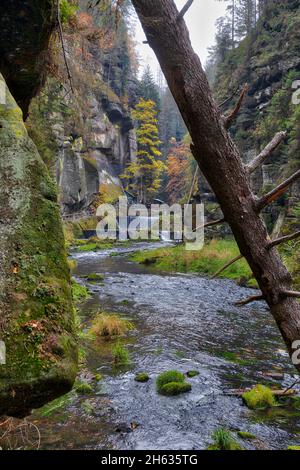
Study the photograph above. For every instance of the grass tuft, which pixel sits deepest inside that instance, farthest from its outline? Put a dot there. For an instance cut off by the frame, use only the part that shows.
(110, 325)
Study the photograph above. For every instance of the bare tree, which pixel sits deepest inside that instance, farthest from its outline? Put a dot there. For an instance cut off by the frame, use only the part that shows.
(220, 161)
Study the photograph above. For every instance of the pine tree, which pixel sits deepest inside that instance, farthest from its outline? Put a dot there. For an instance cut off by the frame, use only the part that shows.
(148, 89)
(143, 176)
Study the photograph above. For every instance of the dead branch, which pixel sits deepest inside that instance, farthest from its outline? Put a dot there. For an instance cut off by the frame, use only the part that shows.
(290, 293)
(61, 35)
(210, 224)
(229, 98)
(278, 191)
(234, 260)
(184, 10)
(280, 240)
(249, 300)
(233, 115)
(277, 393)
(275, 142)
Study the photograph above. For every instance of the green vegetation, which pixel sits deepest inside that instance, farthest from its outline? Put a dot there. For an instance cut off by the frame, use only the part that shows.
(109, 325)
(142, 377)
(55, 405)
(192, 373)
(260, 397)
(293, 448)
(120, 355)
(143, 175)
(246, 435)
(224, 440)
(79, 292)
(67, 11)
(83, 388)
(172, 382)
(94, 277)
(209, 260)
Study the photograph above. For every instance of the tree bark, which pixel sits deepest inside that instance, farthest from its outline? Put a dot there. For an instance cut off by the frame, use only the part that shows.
(219, 158)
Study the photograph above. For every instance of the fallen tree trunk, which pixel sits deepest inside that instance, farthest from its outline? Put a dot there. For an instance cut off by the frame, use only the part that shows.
(219, 158)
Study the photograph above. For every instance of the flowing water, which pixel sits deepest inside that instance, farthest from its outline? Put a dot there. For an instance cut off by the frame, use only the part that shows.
(183, 322)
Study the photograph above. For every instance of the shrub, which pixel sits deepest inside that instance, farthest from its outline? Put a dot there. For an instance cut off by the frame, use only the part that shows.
(67, 11)
(120, 355)
(108, 325)
(260, 397)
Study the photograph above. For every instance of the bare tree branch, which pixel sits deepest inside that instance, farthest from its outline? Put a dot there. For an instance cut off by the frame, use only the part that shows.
(278, 191)
(229, 98)
(290, 293)
(280, 240)
(233, 115)
(234, 260)
(249, 300)
(279, 137)
(210, 224)
(61, 35)
(184, 10)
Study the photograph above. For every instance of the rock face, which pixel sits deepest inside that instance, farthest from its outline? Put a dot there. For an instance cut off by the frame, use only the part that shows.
(92, 129)
(269, 61)
(25, 29)
(37, 321)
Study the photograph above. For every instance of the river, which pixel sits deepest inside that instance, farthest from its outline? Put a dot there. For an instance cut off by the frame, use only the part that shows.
(183, 322)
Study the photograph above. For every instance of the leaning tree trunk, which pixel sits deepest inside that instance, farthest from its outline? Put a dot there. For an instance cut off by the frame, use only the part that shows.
(219, 158)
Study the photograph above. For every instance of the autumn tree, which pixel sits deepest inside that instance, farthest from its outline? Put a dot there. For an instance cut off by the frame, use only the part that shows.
(143, 176)
(180, 170)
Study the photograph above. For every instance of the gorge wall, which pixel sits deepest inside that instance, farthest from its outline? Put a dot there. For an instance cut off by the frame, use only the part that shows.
(88, 129)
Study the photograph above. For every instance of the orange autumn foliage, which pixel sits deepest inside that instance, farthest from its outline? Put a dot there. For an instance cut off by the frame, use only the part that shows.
(178, 171)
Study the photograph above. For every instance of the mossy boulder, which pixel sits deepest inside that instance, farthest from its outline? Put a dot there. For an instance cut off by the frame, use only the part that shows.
(293, 448)
(172, 383)
(37, 316)
(84, 388)
(260, 397)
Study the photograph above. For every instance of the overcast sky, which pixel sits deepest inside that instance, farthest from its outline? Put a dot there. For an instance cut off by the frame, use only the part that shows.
(200, 19)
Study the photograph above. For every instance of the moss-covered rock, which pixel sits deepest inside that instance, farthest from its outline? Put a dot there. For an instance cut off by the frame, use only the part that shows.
(293, 448)
(142, 377)
(171, 383)
(246, 435)
(37, 318)
(260, 397)
(192, 373)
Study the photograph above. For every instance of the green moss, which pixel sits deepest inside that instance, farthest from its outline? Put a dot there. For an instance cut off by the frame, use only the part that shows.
(246, 435)
(94, 277)
(260, 397)
(206, 261)
(79, 292)
(55, 406)
(175, 388)
(67, 11)
(172, 382)
(293, 448)
(83, 388)
(192, 373)
(224, 440)
(142, 377)
(38, 312)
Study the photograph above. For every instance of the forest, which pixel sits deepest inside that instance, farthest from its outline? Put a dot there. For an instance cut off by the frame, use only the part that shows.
(118, 331)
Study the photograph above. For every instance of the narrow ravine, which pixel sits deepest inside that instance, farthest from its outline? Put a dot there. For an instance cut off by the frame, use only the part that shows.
(183, 322)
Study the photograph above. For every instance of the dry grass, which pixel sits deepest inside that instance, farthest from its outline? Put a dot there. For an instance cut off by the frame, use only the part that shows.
(16, 434)
(108, 325)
